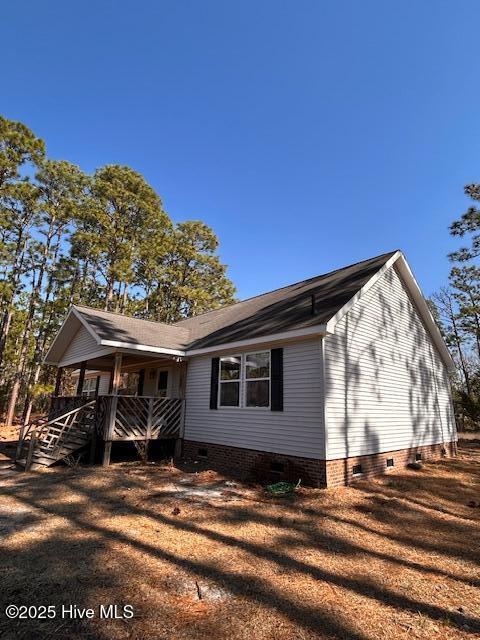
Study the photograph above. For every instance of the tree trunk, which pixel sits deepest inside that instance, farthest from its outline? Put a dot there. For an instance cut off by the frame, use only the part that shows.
(458, 342)
(39, 346)
(8, 312)
(109, 295)
(22, 360)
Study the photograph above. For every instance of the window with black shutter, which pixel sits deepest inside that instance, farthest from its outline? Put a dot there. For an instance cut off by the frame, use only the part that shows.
(214, 383)
(277, 380)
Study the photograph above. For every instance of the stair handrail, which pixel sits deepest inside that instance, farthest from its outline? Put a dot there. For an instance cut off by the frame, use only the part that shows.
(25, 429)
(65, 426)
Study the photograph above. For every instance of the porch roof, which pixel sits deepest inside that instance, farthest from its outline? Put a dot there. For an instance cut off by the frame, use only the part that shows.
(110, 332)
(115, 327)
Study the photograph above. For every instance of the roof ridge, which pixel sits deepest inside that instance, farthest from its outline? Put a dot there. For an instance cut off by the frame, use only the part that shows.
(287, 286)
(124, 315)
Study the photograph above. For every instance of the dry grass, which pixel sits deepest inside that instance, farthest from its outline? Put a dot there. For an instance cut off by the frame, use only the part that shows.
(396, 558)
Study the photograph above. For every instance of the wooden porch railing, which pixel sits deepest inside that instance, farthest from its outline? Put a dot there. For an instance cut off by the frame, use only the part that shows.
(59, 404)
(53, 432)
(139, 417)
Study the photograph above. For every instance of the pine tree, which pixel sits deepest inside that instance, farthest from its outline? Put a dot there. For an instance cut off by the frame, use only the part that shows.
(102, 240)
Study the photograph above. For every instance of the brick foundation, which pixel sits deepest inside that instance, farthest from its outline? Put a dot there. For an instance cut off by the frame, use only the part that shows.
(249, 464)
(340, 472)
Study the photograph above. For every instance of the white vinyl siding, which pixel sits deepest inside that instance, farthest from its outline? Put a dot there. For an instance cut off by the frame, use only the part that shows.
(104, 381)
(150, 385)
(104, 384)
(81, 345)
(386, 385)
(297, 430)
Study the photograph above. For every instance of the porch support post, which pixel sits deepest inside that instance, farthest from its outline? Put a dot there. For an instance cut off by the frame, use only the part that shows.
(116, 374)
(113, 409)
(106, 453)
(148, 430)
(93, 444)
(177, 452)
(58, 382)
(81, 378)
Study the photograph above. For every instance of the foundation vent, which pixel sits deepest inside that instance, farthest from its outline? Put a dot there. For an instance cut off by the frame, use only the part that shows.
(277, 467)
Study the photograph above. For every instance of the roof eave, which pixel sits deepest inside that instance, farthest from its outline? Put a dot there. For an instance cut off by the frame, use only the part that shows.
(142, 347)
(284, 336)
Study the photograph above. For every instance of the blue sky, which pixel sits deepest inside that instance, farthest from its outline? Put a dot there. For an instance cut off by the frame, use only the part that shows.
(308, 134)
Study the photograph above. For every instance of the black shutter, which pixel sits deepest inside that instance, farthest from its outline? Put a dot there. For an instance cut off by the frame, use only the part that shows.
(97, 386)
(141, 382)
(276, 403)
(214, 383)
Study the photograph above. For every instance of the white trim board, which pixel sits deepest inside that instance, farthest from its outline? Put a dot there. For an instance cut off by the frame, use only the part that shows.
(87, 326)
(88, 356)
(284, 336)
(141, 347)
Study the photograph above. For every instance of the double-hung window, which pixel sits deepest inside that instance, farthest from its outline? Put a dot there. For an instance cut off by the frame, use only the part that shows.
(244, 380)
(230, 369)
(257, 379)
(89, 387)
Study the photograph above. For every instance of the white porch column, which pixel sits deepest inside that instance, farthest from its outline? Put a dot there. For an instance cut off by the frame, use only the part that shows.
(117, 369)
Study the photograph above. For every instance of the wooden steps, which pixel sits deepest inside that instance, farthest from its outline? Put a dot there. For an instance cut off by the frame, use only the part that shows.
(58, 438)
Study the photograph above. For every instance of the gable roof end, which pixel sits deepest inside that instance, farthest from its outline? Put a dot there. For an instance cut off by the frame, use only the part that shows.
(398, 259)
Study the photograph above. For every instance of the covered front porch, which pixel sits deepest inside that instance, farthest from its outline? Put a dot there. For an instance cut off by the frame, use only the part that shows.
(138, 397)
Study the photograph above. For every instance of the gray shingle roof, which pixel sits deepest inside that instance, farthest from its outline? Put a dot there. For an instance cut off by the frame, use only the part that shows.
(284, 309)
(115, 326)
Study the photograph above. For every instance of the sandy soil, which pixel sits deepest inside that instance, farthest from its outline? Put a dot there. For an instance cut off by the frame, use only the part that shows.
(198, 556)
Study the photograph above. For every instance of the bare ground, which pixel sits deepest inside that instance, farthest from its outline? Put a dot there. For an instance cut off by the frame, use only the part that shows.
(197, 557)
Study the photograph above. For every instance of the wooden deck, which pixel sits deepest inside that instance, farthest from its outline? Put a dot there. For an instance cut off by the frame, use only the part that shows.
(138, 417)
(130, 418)
(127, 418)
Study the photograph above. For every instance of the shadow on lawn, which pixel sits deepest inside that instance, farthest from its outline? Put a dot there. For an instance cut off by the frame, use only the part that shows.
(68, 568)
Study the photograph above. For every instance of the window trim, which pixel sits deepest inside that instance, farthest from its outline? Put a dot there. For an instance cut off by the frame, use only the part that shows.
(238, 381)
(243, 380)
(89, 393)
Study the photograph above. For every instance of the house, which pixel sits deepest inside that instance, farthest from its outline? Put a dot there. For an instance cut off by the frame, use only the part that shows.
(341, 376)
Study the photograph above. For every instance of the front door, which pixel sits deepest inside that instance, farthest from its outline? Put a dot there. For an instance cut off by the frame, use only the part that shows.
(163, 383)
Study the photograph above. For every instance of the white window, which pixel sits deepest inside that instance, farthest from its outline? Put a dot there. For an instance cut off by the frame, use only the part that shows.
(89, 387)
(229, 381)
(244, 380)
(257, 379)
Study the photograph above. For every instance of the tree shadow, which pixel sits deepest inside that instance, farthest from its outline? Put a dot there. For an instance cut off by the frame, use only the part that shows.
(386, 387)
(95, 545)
